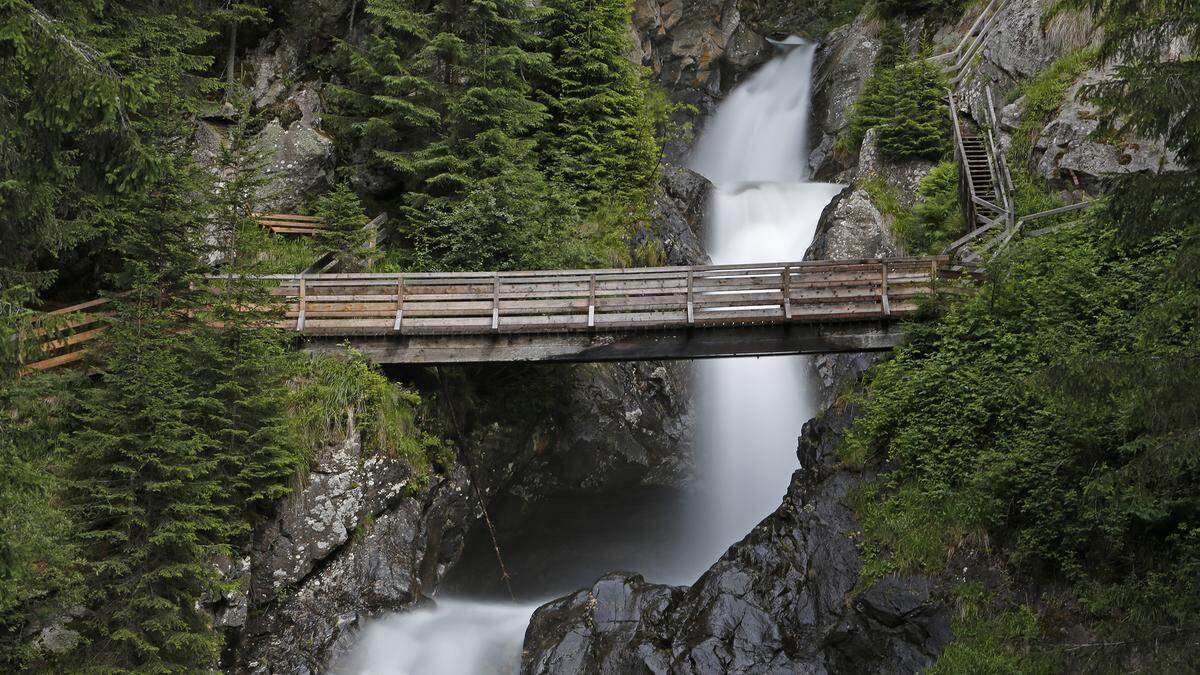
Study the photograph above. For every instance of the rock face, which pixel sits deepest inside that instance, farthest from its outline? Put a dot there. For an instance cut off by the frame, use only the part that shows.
(357, 538)
(697, 50)
(779, 601)
(677, 217)
(625, 425)
(299, 164)
(1069, 158)
(844, 62)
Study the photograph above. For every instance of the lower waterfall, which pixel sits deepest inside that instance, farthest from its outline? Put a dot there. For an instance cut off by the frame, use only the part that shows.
(749, 411)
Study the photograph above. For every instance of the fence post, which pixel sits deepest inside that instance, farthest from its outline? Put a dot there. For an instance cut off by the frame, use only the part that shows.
(303, 307)
(691, 316)
(787, 292)
(592, 302)
(883, 290)
(495, 301)
(399, 302)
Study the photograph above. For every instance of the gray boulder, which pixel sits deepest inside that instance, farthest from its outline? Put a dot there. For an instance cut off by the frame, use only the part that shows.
(394, 562)
(299, 164)
(1069, 158)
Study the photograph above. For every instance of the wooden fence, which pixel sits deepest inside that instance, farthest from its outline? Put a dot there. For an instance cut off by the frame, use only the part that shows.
(569, 301)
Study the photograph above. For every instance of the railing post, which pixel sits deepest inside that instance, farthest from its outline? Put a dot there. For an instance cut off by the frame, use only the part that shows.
(883, 290)
(303, 307)
(691, 316)
(496, 301)
(786, 287)
(592, 302)
(399, 302)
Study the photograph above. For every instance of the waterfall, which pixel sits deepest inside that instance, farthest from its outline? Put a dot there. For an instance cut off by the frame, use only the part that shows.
(749, 411)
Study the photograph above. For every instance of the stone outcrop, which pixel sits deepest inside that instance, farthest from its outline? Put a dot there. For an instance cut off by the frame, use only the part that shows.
(1069, 158)
(697, 50)
(359, 536)
(677, 218)
(844, 61)
(624, 425)
(781, 600)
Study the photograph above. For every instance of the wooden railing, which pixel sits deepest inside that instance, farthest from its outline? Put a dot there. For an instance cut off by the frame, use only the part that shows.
(290, 224)
(64, 334)
(602, 300)
(957, 62)
(607, 300)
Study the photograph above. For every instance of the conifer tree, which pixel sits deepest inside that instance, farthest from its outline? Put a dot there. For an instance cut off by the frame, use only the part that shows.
(235, 353)
(146, 489)
(87, 87)
(454, 115)
(344, 236)
(601, 136)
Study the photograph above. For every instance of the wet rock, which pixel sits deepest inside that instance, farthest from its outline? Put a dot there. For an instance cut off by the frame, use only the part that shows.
(851, 228)
(1069, 158)
(781, 600)
(624, 425)
(697, 50)
(677, 218)
(395, 560)
(844, 61)
(342, 490)
(902, 176)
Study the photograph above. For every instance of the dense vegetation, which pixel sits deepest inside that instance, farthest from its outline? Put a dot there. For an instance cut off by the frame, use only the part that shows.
(516, 135)
(1047, 428)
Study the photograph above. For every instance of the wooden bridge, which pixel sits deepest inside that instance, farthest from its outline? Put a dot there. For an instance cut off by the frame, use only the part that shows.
(591, 315)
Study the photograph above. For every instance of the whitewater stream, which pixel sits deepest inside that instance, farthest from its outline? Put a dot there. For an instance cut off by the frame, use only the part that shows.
(749, 410)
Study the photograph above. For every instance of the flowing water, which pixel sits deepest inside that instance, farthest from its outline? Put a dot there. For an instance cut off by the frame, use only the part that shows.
(749, 411)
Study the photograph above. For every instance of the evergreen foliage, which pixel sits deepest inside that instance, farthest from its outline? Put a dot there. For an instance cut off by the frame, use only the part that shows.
(86, 88)
(344, 236)
(1053, 415)
(599, 140)
(904, 103)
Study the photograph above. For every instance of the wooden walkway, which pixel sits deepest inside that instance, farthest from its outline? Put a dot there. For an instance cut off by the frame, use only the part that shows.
(605, 314)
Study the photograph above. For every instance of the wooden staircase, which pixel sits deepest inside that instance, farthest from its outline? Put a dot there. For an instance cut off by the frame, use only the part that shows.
(977, 164)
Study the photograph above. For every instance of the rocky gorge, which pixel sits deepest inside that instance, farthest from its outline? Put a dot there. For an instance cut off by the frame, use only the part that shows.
(355, 540)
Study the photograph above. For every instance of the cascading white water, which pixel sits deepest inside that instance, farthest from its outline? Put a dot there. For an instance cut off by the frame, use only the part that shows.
(749, 411)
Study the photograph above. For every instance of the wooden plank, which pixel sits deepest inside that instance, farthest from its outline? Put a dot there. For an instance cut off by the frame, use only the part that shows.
(61, 360)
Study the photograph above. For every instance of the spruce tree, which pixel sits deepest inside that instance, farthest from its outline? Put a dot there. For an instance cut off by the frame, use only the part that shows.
(146, 489)
(601, 136)
(87, 88)
(454, 115)
(344, 236)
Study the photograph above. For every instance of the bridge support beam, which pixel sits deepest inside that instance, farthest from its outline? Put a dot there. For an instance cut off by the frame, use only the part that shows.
(698, 343)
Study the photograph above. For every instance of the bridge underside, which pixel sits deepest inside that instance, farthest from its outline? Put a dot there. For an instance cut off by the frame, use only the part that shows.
(646, 345)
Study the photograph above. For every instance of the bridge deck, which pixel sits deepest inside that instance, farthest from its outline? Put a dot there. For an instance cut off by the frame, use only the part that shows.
(606, 314)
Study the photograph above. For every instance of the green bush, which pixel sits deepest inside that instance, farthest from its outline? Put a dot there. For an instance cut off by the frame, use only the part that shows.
(1052, 412)
(936, 219)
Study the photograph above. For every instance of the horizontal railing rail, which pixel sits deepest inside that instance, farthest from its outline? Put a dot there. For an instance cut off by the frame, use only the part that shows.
(568, 301)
